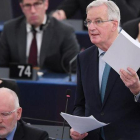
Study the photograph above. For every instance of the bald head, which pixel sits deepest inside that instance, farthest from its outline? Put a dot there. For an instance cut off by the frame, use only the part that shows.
(7, 96)
(9, 104)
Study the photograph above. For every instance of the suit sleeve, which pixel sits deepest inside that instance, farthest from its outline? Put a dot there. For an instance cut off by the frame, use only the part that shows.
(79, 106)
(138, 72)
(4, 51)
(69, 6)
(11, 85)
(70, 48)
(14, 87)
(44, 136)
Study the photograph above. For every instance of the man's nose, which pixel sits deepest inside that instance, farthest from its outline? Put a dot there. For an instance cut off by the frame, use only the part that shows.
(1, 119)
(33, 9)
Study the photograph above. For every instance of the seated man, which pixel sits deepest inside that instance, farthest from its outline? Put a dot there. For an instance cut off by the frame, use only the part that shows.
(132, 27)
(10, 113)
(38, 39)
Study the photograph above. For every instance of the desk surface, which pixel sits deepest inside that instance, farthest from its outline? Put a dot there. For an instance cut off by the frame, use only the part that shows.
(53, 78)
(46, 98)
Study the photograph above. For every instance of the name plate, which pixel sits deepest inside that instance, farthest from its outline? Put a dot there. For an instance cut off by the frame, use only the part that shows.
(21, 71)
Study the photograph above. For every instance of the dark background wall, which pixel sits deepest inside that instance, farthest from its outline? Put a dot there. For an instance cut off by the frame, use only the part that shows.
(52, 6)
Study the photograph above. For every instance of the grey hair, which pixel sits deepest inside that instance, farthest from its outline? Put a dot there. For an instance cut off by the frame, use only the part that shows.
(113, 10)
(15, 97)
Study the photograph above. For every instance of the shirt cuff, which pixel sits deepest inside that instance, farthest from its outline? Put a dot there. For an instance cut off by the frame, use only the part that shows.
(136, 97)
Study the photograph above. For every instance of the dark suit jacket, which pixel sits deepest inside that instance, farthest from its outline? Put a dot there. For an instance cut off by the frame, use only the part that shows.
(59, 45)
(129, 9)
(131, 27)
(27, 132)
(9, 84)
(118, 108)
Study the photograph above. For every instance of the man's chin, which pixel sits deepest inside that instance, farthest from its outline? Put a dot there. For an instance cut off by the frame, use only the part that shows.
(95, 41)
(3, 134)
(35, 23)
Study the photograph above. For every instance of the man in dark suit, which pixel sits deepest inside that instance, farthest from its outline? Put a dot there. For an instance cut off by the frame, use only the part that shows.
(129, 9)
(10, 113)
(56, 42)
(119, 104)
(9, 84)
(132, 27)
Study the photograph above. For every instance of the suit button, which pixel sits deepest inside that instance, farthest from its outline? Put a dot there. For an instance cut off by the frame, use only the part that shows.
(102, 113)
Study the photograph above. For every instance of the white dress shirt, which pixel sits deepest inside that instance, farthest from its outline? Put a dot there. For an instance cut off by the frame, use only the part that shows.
(39, 36)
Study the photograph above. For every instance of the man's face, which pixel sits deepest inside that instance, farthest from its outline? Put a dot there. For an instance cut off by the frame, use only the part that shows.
(34, 11)
(100, 34)
(8, 123)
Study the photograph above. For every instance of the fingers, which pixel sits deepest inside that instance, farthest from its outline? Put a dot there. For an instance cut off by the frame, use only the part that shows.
(59, 14)
(138, 37)
(130, 79)
(76, 136)
(139, 27)
(131, 74)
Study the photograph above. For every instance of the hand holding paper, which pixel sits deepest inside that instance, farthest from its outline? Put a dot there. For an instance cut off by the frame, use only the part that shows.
(123, 53)
(82, 124)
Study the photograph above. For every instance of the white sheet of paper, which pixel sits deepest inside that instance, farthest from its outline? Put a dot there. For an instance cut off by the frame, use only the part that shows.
(123, 53)
(82, 124)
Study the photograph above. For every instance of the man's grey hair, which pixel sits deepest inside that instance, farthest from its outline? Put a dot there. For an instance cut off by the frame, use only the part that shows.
(15, 97)
(113, 10)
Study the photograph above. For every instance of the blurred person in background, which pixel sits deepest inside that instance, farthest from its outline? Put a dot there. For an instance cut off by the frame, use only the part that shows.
(38, 39)
(129, 9)
(132, 27)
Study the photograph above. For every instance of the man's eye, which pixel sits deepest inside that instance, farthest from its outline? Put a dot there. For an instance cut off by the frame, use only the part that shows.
(4, 114)
(88, 22)
(98, 21)
(36, 4)
(27, 5)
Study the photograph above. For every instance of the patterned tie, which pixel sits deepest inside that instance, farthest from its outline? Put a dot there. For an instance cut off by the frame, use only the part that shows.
(104, 81)
(33, 50)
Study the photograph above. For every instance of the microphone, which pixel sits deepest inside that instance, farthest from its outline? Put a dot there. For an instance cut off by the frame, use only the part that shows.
(44, 26)
(70, 64)
(33, 30)
(68, 93)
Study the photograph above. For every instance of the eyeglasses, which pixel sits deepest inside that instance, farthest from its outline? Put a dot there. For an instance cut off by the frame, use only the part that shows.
(5, 115)
(97, 22)
(36, 5)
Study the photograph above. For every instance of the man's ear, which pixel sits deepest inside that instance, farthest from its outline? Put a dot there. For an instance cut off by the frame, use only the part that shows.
(115, 25)
(46, 2)
(21, 6)
(19, 113)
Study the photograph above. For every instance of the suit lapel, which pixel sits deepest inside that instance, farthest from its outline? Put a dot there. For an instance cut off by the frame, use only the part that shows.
(113, 76)
(21, 41)
(96, 76)
(46, 40)
(93, 67)
(19, 134)
(93, 76)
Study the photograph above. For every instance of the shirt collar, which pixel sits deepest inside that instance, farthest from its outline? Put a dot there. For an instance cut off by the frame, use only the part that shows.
(11, 135)
(29, 26)
(100, 51)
